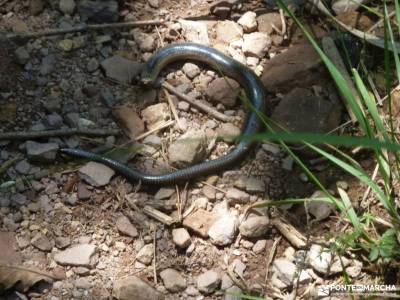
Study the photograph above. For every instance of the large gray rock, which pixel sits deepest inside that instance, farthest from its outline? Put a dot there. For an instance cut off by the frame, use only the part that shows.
(41, 152)
(254, 226)
(21, 55)
(173, 280)
(190, 148)
(42, 242)
(223, 90)
(79, 255)
(96, 174)
(121, 69)
(133, 287)
(248, 21)
(98, 11)
(208, 281)
(302, 111)
(126, 227)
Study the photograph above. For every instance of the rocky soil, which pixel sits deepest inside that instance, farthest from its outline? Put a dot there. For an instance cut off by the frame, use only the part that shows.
(102, 236)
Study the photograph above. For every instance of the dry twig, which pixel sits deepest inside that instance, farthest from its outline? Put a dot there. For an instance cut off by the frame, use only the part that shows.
(82, 28)
(203, 107)
(27, 135)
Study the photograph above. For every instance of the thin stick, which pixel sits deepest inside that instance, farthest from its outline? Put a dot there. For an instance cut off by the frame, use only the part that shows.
(290, 233)
(333, 53)
(271, 256)
(27, 135)
(203, 107)
(82, 28)
(363, 203)
(380, 22)
(173, 109)
(155, 256)
(158, 215)
(161, 126)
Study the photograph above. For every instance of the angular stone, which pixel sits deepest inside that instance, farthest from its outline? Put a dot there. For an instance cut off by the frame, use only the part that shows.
(228, 132)
(200, 222)
(79, 255)
(228, 31)
(190, 148)
(133, 287)
(195, 31)
(256, 44)
(208, 281)
(300, 66)
(173, 280)
(129, 120)
(320, 259)
(254, 226)
(251, 184)
(224, 91)
(302, 111)
(96, 174)
(156, 114)
(236, 196)
(181, 237)
(41, 152)
(267, 22)
(125, 227)
(145, 255)
(248, 21)
(21, 55)
(223, 231)
(121, 69)
(191, 70)
(67, 6)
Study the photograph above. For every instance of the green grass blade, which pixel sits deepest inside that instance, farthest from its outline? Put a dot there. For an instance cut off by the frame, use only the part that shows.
(349, 210)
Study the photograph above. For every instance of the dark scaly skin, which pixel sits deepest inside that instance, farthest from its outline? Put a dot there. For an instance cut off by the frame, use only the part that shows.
(220, 63)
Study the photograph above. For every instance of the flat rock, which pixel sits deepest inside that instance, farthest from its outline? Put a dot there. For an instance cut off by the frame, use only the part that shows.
(41, 152)
(267, 22)
(181, 237)
(224, 91)
(121, 69)
(98, 11)
(236, 196)
(248, 21)
(259, 246)
(254, 226)
(320, 259)
(156, 114)
(256, 44)
(200, 222)
(79, 255)
(190, 148)
(228, 132)
(251, 184)
(223, 231)
(133, 287)
(195, 31)
(129, 120)
(319, 209)
(164, 193)
(302, 111)
(126, 227)
(145, 42)
(96, 174)
(286, 270)
(82, 192)
(299, 66)
(62, 242)
(208, 281)
(23, 167)
(173, 280)
(228, 31)
(209, 192)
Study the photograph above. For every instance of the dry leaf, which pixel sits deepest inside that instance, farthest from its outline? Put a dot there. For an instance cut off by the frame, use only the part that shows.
(21, 278)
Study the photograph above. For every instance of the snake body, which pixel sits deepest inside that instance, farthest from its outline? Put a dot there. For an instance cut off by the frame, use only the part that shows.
(219, 62)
